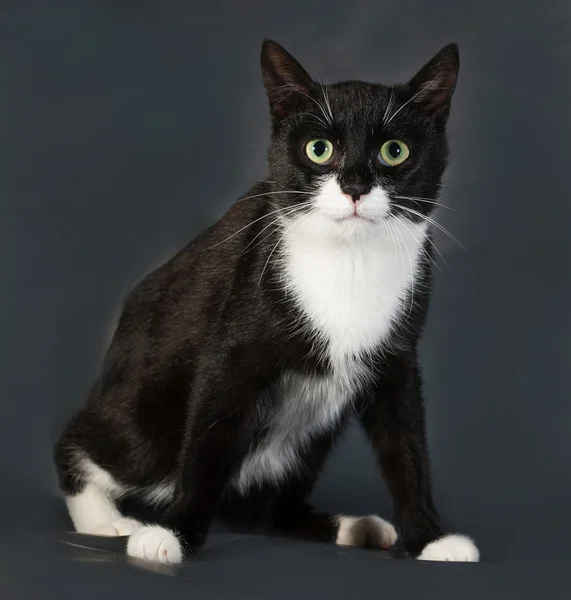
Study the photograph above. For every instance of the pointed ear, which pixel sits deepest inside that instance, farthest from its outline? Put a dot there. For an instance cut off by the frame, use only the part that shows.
(433, 86)
(285, 80)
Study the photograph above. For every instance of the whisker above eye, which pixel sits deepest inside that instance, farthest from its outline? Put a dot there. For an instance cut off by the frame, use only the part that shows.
(317, 103)
(390, 105)
(325, 97)
(317, 118)
(421, 91)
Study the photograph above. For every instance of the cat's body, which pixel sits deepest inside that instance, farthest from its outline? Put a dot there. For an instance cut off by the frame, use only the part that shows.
(236, 364)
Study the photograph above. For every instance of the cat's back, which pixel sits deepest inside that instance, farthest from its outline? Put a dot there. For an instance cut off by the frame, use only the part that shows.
(189, 290)
(182, 309)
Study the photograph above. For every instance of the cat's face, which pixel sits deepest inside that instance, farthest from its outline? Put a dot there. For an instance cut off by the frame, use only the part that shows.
(357, 154)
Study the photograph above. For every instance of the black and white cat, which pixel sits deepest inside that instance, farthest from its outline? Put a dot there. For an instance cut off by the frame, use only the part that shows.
(235, 366)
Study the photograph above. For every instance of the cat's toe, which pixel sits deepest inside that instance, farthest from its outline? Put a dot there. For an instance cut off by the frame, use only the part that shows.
(156, 544)
(365, 532)
(453, 548)
(120, 527)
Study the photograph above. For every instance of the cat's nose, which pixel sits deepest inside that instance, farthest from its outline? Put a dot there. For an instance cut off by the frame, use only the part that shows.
(355, 191)
(355, 196)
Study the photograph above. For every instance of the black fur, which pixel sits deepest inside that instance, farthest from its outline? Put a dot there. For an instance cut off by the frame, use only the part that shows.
(200, 339)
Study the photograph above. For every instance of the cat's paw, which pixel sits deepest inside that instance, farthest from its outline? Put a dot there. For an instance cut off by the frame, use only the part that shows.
(156, 544)
(120, 527)
(365, 532)
(454, 547)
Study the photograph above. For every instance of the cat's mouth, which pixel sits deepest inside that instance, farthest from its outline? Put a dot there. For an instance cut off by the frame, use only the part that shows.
(354, 217)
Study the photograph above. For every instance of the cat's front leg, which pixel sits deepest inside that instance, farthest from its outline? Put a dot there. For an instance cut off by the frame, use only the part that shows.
(393, 418)
(220, 425)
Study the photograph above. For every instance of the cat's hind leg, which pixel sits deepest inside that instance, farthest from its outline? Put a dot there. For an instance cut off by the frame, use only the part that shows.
(90, 495)
(92, 511)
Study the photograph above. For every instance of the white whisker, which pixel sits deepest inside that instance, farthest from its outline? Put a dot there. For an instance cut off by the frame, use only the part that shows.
(294, 209)
(415, 96)
(436, 224)
(390, 105)
(399, 251)
(271, 193)
(427, 201)
(425, 236)
(278, 243)
(387, 227)
(410, 263)
(327, 104)
(249, 225)
(316, 117)
(296, 91)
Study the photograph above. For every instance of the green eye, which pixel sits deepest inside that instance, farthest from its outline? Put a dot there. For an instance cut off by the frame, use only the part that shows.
(319, 151)
(393, 153)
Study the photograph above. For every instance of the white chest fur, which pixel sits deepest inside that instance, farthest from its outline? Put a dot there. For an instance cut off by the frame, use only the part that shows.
(351, 291)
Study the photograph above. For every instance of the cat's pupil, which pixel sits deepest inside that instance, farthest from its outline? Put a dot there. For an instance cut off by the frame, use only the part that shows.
(394, 150)
(319, 148)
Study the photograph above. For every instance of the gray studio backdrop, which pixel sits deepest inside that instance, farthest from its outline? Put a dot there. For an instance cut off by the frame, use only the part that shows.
(115, 117)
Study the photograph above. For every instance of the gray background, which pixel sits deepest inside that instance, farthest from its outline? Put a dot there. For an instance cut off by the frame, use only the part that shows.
(115, 116)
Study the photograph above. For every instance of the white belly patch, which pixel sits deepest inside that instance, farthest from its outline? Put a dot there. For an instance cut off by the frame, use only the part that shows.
(308, 405)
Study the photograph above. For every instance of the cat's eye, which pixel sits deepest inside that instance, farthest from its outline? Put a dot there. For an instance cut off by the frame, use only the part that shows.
(319, 151)
(393, 153)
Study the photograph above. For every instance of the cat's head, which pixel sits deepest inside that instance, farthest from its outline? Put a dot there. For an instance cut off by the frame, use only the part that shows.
(357, 154)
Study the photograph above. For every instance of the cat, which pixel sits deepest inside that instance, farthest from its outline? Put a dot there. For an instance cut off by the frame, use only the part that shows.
(236, 365)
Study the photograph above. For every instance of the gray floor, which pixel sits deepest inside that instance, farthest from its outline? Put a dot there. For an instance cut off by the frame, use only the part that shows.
(113, 114)
(55, 563)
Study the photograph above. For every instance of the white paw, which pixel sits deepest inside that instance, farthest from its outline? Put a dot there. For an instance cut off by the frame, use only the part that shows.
(454, 547)
(156, 544)
(120, 527)
(365, 532)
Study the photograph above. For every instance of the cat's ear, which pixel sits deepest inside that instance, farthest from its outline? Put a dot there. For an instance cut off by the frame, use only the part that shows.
(285, 80)
(433, 86)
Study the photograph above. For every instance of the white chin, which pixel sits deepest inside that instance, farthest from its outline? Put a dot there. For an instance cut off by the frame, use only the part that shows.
(355, 225)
